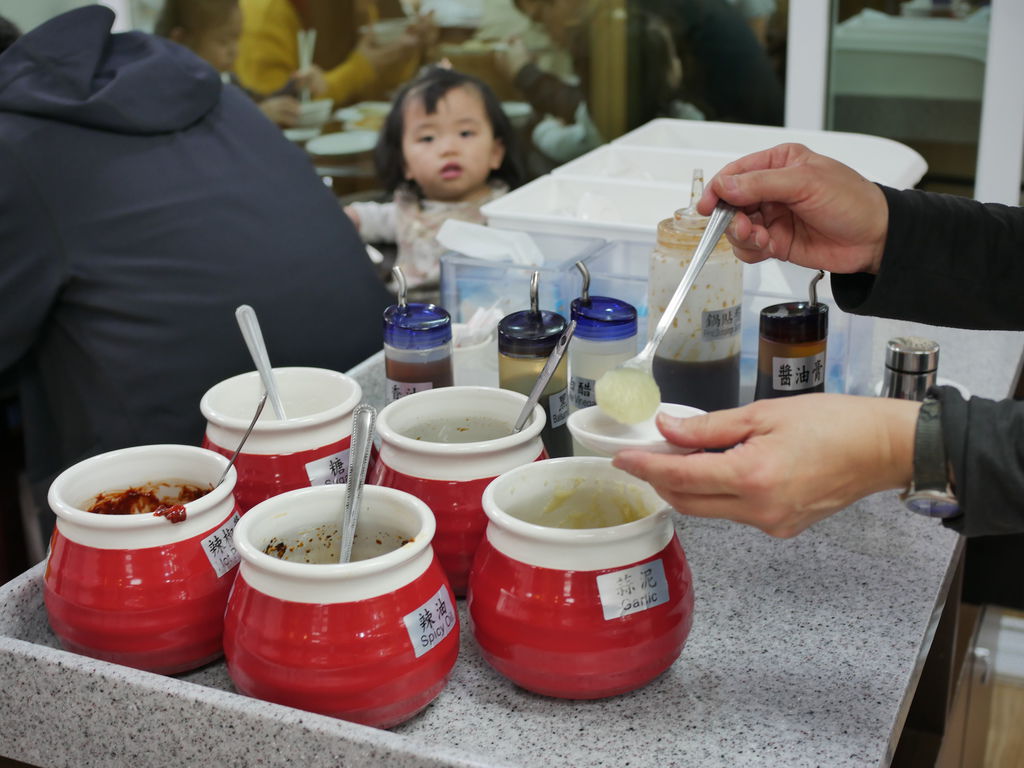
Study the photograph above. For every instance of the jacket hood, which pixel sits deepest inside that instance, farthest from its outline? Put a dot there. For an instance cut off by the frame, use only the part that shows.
(72, 69)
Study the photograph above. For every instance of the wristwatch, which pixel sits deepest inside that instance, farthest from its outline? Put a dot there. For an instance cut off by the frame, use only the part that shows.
(930, 492)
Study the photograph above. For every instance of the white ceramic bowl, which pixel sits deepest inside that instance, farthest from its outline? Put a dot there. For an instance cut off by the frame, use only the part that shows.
(313, 114)
(599, 432)
(343, 143)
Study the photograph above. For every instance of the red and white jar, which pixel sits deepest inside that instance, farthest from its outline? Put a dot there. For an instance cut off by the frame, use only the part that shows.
(372, 641)
(578, 613)
(310, 447)
(451, 476)
(137, 589)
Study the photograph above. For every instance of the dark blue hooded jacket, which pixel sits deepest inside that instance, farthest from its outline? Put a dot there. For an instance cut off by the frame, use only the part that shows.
(140, 202)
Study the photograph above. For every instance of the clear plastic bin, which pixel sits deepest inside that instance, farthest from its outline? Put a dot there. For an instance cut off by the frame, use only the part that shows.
(468, 283)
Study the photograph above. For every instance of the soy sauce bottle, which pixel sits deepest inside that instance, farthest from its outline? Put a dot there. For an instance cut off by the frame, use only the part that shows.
(417, 346)
(791, 355)
(525, 341)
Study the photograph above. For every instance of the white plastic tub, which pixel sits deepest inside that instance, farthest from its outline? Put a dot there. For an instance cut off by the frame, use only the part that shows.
(882, 160)
(588, 207)
(671, 166)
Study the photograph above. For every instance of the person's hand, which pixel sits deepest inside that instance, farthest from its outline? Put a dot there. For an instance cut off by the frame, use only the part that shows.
(385, 55)
(282, 110)
(312, 79)
(513, 58)
(796, 205)
(353, 216)
(789, 463)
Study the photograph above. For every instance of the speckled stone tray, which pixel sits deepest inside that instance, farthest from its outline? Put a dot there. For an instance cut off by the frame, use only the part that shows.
(803, 652)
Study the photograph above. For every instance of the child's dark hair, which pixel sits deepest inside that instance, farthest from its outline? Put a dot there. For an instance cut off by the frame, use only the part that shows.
(191, 15)
(8, 34)
(430, 87)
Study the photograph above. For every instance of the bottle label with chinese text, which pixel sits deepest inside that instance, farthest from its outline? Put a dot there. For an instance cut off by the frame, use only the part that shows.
(399, 389)
(632, 590)
(719, 324)
(582, 392)
(558, 407)
(793, 374)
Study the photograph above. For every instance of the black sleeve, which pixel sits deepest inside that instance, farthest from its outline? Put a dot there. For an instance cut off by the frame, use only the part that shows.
(948, 261)
(984, 442)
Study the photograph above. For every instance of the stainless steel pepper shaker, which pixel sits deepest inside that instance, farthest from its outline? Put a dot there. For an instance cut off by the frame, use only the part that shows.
(911, 364)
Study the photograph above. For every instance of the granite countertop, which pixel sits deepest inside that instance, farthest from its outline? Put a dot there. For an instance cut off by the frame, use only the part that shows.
(803, 652)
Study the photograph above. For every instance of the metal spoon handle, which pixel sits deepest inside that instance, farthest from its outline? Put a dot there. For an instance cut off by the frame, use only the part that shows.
(241, 443)
(720, 218)
(364, 418)
(250, 328)
(545, 375)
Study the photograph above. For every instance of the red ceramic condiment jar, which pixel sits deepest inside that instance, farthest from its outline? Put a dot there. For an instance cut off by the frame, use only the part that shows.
(584, 612)
(371, 641)
(310, 447)
(137, 589)
(444, 446)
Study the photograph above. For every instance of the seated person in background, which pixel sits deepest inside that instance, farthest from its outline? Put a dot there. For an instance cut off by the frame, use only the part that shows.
(446, 148)
(141, 201)
(268, 54)
(211, 29)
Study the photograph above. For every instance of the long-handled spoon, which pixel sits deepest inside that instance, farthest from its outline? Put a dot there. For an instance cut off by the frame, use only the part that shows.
(250, 328)
(629, 392)
(545, 375)
(364, 417)
(241, 443)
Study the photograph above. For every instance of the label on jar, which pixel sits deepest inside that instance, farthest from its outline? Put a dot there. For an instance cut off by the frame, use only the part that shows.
(558, 408)
(219, 547)
(429, 624)
(329, 470)
(399, 389)
(720, 323)
(792, 374)
(582, 392)
(632, 590)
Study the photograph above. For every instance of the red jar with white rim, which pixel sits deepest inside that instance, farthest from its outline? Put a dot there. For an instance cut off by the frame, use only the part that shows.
(584, 612)
(310, 447)
(136, 589)
(419, 455)
(372, 641)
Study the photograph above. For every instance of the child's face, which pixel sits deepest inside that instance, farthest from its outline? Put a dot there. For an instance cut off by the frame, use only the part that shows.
(217, 45)
(450, 153)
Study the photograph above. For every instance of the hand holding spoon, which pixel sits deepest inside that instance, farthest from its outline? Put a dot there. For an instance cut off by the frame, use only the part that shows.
(629, 393)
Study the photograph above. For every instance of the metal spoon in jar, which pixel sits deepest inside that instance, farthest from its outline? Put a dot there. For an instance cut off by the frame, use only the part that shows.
(250, 328)
(364, 417)
(238, 450)
(629, 393)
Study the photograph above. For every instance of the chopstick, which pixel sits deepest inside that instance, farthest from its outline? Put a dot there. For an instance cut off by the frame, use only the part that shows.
(306, 41)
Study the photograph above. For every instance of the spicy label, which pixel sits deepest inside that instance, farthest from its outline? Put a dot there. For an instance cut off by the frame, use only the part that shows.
(632, 590)
(399, 389)
(429, 624)
(329, 470)
(582, 392)
(219, 547)
(798, 373)
(720, 323)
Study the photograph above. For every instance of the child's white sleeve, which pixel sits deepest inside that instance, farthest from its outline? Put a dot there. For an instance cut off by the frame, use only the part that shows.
(377, 221)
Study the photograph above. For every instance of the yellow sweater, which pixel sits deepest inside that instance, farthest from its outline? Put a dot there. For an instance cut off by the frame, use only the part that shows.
(268, 54)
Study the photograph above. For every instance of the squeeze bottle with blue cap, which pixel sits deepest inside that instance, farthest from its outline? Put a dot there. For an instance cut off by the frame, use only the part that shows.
(525, 341)
(605, 338)
(417, 346)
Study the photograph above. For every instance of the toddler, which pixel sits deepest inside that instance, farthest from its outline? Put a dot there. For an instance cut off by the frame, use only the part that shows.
(445, 149)
(211, 29)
